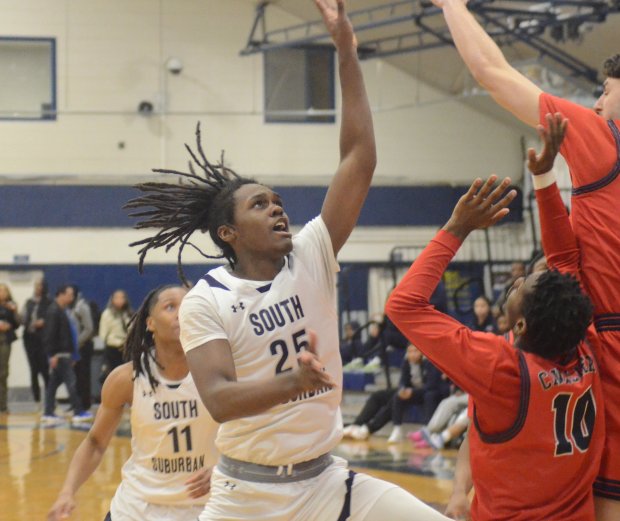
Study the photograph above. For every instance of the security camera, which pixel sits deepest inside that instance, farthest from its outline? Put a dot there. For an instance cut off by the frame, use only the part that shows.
(174, 65)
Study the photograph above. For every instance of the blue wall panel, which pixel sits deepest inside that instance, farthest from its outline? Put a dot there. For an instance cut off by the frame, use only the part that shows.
(101, 206)
(97, 282)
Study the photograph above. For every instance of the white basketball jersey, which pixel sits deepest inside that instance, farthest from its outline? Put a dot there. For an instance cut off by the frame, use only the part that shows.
(266, 324)
(172, 438)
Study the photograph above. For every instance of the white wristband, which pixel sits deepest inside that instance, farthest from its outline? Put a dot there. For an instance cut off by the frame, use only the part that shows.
(543, 180)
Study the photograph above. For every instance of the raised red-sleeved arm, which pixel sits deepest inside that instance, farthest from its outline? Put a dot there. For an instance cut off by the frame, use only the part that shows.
(559, 242)
(482, 364)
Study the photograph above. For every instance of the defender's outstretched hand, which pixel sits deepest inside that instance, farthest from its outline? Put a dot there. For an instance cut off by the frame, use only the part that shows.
(552, 138)
(337, 23)
(481, 207)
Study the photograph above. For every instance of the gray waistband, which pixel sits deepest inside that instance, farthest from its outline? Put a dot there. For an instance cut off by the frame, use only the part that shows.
(273, 474)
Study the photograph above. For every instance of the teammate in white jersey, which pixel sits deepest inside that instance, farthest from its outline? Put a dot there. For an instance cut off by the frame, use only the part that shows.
(246, 328)
(168, 474)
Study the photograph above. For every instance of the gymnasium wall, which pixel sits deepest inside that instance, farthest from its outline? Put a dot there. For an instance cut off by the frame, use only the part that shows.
(111, 56)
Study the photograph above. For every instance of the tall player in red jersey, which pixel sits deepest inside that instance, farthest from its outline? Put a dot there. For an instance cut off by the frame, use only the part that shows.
(538, 432)
(592, 151)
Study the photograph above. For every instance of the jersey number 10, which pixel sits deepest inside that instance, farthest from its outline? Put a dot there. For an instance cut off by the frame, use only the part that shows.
(581, 422)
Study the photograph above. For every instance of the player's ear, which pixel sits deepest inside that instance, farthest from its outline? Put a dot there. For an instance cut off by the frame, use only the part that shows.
(227, 233)
(149, 324)
(520, 327)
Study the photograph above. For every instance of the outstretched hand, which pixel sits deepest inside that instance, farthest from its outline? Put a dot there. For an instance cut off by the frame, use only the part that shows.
(311, 374)
(337, 23)
(552, 138)
(481, 207)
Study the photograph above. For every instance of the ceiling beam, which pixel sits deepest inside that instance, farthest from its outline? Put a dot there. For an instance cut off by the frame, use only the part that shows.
(507, 21)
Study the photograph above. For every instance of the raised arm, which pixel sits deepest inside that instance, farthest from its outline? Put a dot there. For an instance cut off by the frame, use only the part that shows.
(559, 242)
(226, 399)
(349, 187)
(117, 391)
(468, 358)
(508, 87)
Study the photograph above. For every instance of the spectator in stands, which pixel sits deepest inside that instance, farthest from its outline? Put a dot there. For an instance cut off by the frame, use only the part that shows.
(33, 319)
(113, 330)
(80, 309)
(376, 413)
(9, 322)
(60, 342)
(449, 422)
(483, 318)
(382, 336)
(351, 346)
(421, 383)
(502, 324)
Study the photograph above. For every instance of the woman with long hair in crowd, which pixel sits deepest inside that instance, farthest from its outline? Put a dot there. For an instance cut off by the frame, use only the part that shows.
(113, 330)
(9, 322)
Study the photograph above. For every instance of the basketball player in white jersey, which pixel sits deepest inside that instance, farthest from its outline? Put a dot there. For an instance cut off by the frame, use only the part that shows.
(246, 328)
(168, 474)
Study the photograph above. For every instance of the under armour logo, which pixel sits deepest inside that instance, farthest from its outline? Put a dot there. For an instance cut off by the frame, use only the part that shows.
(230, 485)
(147, 393)
(240, 306)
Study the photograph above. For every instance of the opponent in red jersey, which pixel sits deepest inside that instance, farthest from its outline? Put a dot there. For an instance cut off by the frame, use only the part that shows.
(538, 432)
(591, 149)
(561, 247)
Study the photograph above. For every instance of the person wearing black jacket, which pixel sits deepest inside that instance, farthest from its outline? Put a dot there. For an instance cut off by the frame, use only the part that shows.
(9, 322)
(33, 319)
(421, 383)
(60, 342)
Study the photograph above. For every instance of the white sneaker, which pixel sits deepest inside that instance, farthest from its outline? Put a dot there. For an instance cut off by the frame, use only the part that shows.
(348, 431)
(397, 435)
(354, 365)
(373, 366)
(361, 433)
(51, 420)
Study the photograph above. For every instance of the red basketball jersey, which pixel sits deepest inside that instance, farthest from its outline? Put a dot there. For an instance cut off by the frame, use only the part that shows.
(540, 428)
(592, 151)
(557, 434)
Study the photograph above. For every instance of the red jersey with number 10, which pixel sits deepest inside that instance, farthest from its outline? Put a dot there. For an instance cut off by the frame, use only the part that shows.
(557, 434)
(539, 429)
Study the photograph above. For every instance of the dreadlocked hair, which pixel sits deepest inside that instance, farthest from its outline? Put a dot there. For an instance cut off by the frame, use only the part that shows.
(557, 314)
(199, 201)
(611, 66)
(138, 348)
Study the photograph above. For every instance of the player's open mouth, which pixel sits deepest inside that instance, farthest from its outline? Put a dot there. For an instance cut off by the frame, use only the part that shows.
(281, 227)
